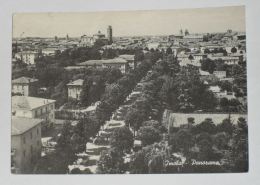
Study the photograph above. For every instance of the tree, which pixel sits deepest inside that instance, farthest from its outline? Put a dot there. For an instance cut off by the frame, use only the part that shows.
(139, 55)
(205, 143)
(151, 159)
(122, 139)
(181, 141)
(134, 118)
(224, 103)
(221, 140)
(111, 162)
(191, 57)
(92, 89)
(168, 51)
(149, 135)
(53, 163)
(234, 50)
(206, 126)
(64, 154)
(208, 65)
(111, 75)
(206, 51)
(156, 164)
(109, 53)
(76, 171)
(240, 146)
(226, 126)
(87, 127)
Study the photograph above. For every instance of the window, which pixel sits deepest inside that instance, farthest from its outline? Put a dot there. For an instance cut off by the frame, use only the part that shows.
(24, 153)
(31, 149)
(37, 131)
(31, 135)
(24, 140)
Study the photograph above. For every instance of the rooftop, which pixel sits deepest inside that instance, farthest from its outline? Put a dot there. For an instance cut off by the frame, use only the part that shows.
(24, 80)
(28, 103)
(91, 63)
(127, 57)
(21, 125)
(115, 61)
(78, 82)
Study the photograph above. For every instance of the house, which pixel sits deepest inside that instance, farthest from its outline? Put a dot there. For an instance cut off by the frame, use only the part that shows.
(33, 107)
(215, 89)
(199, 56)
(229, 60)
(75, 88)
(25, 144)
(192, 62)
(220, 74)
(204, 73)
(130, 59)
(24, 86)
(118, 63)
(153, 45)
(86, 41)
(226, 94)
(27, 57)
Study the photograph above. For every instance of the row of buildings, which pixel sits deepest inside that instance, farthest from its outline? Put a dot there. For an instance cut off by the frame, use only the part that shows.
(30, 117)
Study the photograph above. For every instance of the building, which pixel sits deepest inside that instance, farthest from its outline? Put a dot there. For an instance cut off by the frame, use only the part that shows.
(220, 74)
(25, 144)
(118, 63)
(98, 36)
(171, 119)
(86, 41)
(226, 94)
(33, 107)
(27, 57)
(130, 59)
(110, 34)
(74, 89)
(229, 60)
(199, 56)
(215, 89)
(153, 45)
(24, 86)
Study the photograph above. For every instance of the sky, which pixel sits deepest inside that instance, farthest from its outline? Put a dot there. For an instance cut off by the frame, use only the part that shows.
(130, 23)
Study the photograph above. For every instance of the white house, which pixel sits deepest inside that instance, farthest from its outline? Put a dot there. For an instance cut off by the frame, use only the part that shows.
(27, 57)
(220, 74)
(33, 107)
(24, 86)
(75, 88)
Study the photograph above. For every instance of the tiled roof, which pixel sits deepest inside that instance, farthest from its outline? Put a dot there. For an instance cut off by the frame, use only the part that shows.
(115, 61)
(24, 80)
(100, 62)
(91, 63)
(21, 125)
(127, 57)
(78, 82)
(28, 103)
